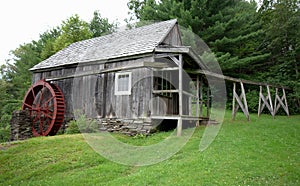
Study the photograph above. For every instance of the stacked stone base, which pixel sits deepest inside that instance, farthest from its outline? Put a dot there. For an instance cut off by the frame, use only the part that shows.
(130, 127)
(20, 125)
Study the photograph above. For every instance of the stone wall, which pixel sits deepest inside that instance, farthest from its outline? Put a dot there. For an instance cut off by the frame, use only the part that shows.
(129, 127)
(20, 125)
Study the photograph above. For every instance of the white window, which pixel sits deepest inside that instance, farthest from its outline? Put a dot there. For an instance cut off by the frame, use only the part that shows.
(123, 83)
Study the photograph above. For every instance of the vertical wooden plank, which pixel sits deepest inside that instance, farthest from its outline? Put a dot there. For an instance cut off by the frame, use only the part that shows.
(207, 103)
(180, 85)
(190, 106)
(233, 101)
(245, 102)
(275, 102)
(179, 125)
(201, 96)
(270, 101)
(259, 101)
(197, 97)
(285, 101)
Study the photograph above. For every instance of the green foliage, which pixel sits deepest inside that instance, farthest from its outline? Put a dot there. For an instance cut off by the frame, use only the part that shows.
(72, 127)
(282, 25)
(15, 74)
(264, 151)
(100, 26)
(5, 127)
(82, 125)
(73, 29)
(262, 45)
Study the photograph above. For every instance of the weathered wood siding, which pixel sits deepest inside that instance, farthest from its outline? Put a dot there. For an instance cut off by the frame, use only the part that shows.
(94, 95)
(173, 38)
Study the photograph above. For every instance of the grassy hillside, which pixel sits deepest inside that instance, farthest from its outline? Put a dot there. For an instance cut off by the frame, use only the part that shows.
(261, 152)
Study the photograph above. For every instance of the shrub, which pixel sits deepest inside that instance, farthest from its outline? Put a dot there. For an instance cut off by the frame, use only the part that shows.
(82, 124)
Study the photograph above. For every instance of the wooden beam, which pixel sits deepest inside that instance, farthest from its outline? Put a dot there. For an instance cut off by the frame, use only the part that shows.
(88, 73)
(180, 90)
(164, 91)
(285, 101)
(259, 101)
(207, 103)
(179, 50)
(221, 76)
(167, 69)
(245, 102)
(270, 101)
(188, 94)
(201, 96)
(233, 101)
(267, 101)
(197, 97)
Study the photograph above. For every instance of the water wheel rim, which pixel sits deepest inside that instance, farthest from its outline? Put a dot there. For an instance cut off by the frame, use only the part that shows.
(38, 107)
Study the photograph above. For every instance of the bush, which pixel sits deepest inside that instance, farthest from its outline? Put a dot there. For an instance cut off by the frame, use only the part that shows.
(5, 128)
(72, 127)
(82, 124)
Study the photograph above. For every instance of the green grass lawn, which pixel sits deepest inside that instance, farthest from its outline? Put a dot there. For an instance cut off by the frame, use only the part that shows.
(264, 151)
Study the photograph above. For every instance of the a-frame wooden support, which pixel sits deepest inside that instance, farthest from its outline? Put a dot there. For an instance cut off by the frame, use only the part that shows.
(267, 101)
(282, 102)
(241, 100)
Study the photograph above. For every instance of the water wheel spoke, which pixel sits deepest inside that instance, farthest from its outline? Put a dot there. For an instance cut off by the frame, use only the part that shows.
(42, 95)
(47, 115)
(48, 101)
(44, 101)
(32, 91)
(41, 127)
(29, 106)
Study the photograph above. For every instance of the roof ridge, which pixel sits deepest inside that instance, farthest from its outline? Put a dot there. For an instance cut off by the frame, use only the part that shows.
(126, 43)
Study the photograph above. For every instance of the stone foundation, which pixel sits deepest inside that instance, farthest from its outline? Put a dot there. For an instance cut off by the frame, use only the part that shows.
(129, 127)
(20, 125)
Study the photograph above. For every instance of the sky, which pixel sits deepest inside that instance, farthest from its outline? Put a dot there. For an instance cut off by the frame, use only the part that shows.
(23, 20)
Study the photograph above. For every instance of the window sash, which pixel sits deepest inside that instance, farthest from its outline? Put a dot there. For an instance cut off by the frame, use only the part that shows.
(123, 83)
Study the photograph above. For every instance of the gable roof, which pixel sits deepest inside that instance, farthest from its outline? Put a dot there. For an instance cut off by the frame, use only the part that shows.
(116, 45)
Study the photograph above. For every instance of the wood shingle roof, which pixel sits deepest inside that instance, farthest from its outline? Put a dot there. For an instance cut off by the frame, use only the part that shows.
(116, 45)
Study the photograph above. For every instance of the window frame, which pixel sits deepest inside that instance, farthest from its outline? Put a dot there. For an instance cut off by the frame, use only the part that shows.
(126, 92)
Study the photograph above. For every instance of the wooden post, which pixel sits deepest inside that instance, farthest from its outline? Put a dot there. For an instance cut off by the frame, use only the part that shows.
(201, 97)
(270, 101)
(245, 102)
(233, 101)
(190, 106)
(179, 124)
(259, 101)
(275, 102)
(207, 103)
(281, 100)
(267, 101)
(285, 101)
(197, 97)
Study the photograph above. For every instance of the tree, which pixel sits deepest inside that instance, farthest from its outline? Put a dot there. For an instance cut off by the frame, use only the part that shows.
(15, 75)
(281, 19)
(47, 40)
(232, 29)
(72, 30)
(100, 26)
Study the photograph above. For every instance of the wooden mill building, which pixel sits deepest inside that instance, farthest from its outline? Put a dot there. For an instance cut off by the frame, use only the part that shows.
(134, 74)
(139, 75)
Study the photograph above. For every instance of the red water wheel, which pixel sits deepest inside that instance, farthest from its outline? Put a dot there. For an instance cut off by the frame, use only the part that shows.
(45, 102)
